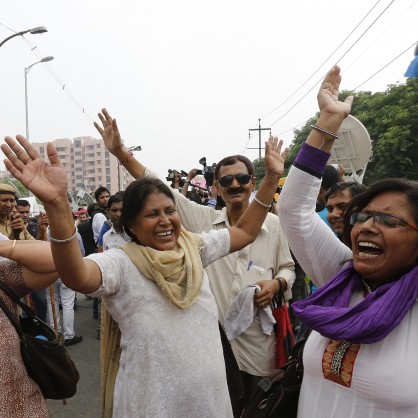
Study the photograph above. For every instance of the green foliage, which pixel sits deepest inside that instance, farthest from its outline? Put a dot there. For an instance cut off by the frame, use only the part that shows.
(259, 170)
(391, 120)
(21, 189)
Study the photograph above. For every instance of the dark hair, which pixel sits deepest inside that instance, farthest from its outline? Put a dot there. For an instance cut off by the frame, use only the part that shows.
(91, 208)
(232, 159)
(135, 197)
(330, 177)
(353, 187)
(99, 191)
(115, 198)
(407, 187)
(22, 202)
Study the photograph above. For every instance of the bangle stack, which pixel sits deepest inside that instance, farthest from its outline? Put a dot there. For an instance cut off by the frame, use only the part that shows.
(325, 131)
(63, 241)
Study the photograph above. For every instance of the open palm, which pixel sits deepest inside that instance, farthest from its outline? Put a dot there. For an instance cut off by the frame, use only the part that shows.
(274, 157)
(46, 181)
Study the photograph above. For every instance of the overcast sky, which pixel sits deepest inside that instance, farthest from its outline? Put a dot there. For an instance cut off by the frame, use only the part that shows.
(188, 78)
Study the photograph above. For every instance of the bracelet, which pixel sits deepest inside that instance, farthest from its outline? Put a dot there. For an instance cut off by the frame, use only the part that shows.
(332, 134)
(63, 241)
(261, 203)
(130, 155)
(12, 250)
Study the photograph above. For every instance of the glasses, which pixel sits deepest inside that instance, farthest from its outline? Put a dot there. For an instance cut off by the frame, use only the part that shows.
(242, 178)
(382, 219)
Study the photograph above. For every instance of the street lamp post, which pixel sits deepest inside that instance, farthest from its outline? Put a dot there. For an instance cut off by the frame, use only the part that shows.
(33, 31)
(46, 59)
(132, 149)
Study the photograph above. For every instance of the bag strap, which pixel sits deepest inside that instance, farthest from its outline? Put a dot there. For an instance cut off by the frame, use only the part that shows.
(12, 319)
(12, 295)
(278, 299)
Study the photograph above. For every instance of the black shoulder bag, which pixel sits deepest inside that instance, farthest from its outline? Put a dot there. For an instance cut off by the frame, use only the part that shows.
(46, 360)
(278, 396)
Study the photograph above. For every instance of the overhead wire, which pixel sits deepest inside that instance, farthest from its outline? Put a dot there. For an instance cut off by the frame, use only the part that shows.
(316, 71)
(319, 81)
(323, 63)
(390, 62)
(59, 82)
(34, 49)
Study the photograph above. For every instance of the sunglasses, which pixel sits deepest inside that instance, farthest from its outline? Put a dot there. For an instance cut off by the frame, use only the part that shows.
(382, 219)
(242, 178)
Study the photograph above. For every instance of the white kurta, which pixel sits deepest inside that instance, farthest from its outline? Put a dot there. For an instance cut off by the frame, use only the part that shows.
(172, 362)
(384, 381)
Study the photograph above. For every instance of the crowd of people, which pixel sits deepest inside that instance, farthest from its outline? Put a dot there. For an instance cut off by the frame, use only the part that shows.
(164, 270)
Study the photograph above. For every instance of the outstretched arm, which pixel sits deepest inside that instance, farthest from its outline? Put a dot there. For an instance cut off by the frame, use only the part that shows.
(248, 226)
(36, 260)
(109, 131)
(313, 243)
(48, 182)
(190, 177)
(332, 111)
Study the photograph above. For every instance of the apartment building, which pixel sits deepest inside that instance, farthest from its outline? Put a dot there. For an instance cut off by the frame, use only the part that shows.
(88, 164)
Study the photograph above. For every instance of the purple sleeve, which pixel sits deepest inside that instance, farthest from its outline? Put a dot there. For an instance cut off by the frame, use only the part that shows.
(311, 160)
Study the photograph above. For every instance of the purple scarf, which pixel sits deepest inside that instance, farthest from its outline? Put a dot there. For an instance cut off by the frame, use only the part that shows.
(328, 312)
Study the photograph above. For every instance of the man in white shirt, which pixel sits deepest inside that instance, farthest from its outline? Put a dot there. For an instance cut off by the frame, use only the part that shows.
(116, 236)
(101, 195)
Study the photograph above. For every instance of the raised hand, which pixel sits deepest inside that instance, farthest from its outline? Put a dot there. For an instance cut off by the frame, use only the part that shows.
(47, 181)
(274, 157)
(109, 132)
(328, 95)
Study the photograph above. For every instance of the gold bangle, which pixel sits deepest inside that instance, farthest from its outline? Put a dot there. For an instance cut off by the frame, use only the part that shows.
(12, 250)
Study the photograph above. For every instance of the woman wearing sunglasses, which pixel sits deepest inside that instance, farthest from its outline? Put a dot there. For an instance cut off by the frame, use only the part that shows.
(360, 359)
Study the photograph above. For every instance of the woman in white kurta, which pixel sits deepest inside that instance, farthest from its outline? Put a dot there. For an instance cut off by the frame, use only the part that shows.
(171, 363)
(361, 357)
(164, 347)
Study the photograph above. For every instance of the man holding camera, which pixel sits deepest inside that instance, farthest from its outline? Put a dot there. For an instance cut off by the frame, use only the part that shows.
(266, 262)
(11, 227)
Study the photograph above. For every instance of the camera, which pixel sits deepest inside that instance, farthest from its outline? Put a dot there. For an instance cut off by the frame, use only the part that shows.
(208, 171)
(172, 174)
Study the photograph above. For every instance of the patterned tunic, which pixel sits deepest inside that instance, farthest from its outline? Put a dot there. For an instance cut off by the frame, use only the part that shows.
(20, 396)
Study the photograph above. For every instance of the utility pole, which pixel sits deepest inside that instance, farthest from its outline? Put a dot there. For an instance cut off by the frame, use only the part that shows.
(259, 129)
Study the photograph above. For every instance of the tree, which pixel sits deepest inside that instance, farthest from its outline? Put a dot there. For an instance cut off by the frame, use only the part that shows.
(391, 120)
(259, 171)
(22, 191)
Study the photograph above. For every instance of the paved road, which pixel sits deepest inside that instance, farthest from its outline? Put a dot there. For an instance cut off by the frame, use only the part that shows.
(86, 402)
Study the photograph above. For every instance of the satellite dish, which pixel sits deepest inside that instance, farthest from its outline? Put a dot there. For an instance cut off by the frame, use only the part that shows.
(80, 199)
(353, 149)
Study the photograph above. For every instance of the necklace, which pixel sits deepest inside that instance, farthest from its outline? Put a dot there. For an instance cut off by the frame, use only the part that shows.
(368, 288)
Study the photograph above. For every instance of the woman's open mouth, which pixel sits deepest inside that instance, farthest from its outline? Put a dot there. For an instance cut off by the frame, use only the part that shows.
(369, 249)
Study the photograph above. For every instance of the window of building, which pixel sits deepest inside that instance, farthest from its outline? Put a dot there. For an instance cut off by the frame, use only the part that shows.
(78, 153)
(78, 177)
(107, 171)
(78, 161)
(41, 150)
(77, 143)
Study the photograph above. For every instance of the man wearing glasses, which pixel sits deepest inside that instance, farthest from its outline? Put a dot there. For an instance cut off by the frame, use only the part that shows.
(267, 261)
